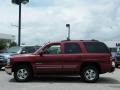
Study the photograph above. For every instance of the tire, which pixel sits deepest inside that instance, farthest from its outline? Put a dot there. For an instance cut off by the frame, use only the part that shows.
(23, 73)
(90, 74)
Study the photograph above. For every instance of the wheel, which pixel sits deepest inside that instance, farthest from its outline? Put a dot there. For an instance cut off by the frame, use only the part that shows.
(90, 74)
(23, 73)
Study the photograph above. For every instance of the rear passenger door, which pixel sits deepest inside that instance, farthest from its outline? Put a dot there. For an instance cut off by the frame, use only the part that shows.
(71, 57)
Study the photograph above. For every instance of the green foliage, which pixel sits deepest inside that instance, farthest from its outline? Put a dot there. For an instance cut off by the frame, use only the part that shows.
(13, 44)
(3, 44)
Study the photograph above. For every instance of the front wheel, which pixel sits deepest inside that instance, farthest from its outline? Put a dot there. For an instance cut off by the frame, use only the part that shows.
(22, 73)
(90, 74)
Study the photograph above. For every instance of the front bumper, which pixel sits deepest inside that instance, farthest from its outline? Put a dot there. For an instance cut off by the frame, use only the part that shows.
(8, 70)
(3, 63)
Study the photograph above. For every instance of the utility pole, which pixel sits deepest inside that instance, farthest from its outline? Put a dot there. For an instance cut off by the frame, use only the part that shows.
(19, 27)
(68, 26)
(19, 2)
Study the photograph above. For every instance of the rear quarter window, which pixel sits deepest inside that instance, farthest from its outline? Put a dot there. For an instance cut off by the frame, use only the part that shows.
(96, 47)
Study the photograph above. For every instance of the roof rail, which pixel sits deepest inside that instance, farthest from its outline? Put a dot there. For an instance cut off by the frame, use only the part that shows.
(94, 40)
(65, 40)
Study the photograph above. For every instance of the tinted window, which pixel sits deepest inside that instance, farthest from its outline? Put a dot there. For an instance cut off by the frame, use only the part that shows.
(28, 49)
(96, 47)
(53, 49)
(71, 48)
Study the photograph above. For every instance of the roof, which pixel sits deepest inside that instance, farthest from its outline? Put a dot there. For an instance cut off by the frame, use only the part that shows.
(80, 41)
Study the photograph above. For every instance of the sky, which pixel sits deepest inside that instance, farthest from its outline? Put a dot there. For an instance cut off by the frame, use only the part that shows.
(45, 20)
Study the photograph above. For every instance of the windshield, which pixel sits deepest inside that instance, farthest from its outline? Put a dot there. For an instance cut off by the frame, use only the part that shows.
(12, 50)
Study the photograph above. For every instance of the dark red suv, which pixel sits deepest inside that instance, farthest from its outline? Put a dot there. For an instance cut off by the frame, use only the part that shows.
(87, 58)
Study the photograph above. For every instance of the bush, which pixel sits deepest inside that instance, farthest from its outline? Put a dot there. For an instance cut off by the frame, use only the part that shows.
(3, 44)
(13, 44)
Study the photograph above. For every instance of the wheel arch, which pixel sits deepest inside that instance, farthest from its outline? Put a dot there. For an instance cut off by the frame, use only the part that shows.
(83, 65)
(22, 63)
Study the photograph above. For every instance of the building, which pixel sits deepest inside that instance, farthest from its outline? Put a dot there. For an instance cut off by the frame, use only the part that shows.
(114, 45)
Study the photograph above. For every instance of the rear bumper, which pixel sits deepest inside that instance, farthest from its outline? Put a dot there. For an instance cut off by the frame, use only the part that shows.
(8, 70)
(113, 67)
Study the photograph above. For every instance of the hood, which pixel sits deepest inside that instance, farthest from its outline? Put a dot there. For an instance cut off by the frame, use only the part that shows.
(23, 57)
(6, 55)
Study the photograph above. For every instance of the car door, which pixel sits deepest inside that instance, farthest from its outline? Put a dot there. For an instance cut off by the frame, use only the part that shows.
(50, 61)
(71, 58)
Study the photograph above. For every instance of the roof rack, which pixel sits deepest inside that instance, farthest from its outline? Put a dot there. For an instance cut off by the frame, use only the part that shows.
(81, 40)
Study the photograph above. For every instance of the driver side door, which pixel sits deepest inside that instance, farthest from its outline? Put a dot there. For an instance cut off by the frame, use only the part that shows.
(50, 61)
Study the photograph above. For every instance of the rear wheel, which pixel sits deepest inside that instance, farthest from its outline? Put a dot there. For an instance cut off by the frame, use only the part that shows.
(90, 74)
(23, 73)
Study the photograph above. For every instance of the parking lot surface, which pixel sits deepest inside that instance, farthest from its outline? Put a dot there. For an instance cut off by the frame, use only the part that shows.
(108, 81)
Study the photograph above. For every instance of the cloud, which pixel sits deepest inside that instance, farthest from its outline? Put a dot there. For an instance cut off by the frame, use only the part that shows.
(40, 3)
(89, 19)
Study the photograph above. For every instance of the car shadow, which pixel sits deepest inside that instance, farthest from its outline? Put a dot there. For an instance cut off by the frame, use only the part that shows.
(2, 70)
(51, 79)
(118, 67)
(108, 80)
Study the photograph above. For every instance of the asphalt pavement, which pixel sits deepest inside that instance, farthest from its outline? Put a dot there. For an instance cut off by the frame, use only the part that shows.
(108, 81)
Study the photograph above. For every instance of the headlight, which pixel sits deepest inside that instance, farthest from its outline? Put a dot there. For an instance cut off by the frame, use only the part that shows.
(2, 58)
(8, 61)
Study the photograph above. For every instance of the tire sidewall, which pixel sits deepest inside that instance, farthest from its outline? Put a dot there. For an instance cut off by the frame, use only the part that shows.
(29, 71)
(84, 77)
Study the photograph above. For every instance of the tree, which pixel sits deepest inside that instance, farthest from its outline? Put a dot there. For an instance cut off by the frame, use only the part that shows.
(13, 44)
(3, 44)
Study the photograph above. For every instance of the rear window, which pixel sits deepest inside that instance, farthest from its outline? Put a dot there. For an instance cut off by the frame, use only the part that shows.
(96, 47)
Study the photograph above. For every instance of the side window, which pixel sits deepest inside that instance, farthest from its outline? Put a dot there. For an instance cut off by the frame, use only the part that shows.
(72, 48)
(96, 47)
(24, 50)
(53, 49)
